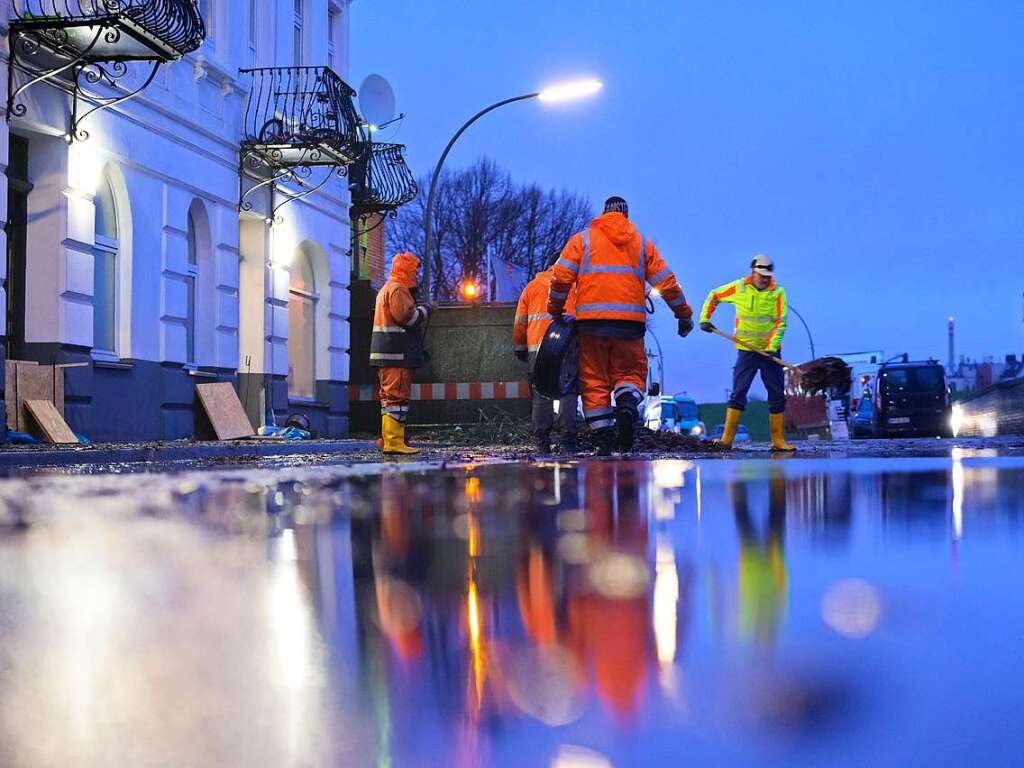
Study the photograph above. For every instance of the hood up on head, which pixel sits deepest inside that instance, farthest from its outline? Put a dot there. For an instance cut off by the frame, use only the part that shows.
(615, 226)
(403, 269)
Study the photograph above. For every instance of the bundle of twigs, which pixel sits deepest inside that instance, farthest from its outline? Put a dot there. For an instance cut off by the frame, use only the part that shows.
(824, 375)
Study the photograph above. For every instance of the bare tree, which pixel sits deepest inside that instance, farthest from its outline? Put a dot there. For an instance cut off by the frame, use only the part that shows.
(481, 210)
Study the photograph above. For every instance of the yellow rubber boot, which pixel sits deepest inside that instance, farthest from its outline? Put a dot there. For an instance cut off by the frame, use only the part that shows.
(778, 435)
(732, 421)
(393, 432)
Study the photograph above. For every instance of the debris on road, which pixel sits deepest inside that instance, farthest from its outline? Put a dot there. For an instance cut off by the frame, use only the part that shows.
(504, 435)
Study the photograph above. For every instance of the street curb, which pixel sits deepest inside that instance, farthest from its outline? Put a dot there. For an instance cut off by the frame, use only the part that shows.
(37, 457)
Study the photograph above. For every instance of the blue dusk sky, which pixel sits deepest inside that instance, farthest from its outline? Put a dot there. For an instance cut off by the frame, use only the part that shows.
(873, 149)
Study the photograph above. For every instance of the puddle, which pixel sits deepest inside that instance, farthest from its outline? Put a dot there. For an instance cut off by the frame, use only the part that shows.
(602, 613)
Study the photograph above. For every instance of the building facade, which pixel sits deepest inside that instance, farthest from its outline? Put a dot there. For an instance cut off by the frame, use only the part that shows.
(128, 250)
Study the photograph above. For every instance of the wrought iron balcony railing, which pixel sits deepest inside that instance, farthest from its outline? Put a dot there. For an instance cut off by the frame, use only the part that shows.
(299, 116)
(77, 43)
(113, 30)
(380, 180)
(297, 119)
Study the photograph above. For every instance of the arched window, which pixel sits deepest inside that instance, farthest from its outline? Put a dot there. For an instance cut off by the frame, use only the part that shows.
(105, 268)
(302, 300)
(200, 280)
(191, 275)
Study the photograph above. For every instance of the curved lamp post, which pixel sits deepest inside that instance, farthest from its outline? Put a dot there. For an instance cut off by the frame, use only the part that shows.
(565, 92)
(810, 339)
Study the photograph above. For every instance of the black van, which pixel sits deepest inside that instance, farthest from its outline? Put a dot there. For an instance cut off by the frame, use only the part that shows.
(909, 398)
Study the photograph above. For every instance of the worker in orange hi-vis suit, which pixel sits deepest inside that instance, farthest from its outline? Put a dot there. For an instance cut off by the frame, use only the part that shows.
(396, 348)
(610, 263)
(531, 323)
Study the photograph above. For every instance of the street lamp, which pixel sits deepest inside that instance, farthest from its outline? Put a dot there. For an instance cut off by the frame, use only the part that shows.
(553, 94)
(810, 339)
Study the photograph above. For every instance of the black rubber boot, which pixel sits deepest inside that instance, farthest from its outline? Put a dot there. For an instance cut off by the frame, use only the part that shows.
(625, 423)
(569, 445)
(604, 441)
(542, 443)
(626, 416)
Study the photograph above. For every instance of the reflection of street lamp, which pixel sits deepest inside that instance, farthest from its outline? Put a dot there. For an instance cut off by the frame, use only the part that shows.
(556, 93)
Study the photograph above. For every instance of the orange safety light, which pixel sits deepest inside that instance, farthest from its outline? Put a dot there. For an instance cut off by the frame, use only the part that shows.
(469, 290)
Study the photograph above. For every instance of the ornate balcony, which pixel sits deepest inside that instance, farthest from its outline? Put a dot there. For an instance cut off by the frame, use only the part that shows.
(300, 116)
(380, 180)
(78, 43)
(297, 119)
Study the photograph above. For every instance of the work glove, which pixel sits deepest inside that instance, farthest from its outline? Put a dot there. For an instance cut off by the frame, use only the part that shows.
(685, 326)
(707, 327)
(556, 310)
(522, 354)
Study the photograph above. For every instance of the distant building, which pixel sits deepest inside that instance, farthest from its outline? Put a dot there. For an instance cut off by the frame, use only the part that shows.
(971, 375)
(370, 262)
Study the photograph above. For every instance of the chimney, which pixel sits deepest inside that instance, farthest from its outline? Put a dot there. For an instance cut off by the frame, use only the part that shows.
(952, 333)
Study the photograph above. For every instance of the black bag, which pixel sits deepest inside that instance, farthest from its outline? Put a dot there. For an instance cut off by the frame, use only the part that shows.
(556, 369)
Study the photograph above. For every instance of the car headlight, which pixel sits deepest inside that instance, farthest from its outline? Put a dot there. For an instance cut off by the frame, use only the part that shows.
(697, 431)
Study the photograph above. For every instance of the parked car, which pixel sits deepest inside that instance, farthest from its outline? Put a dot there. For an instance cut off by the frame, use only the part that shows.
(675, 413)
(742, 434)
(908, 399)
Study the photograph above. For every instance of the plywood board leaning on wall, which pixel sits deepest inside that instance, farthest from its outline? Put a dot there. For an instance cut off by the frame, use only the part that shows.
(225, 411)
(50, 422)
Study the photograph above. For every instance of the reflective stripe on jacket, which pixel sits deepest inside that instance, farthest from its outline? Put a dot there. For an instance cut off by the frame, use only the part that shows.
(397, 340)
(532, 316)
(610, 264)
(760, 315)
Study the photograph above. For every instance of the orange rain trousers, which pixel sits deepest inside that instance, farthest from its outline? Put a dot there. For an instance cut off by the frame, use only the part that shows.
(607, 363)
(395, 391)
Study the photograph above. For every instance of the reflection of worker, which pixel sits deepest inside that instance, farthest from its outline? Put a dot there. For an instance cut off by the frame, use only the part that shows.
(762, 567)
(760, 324)
(609, 611)
(531, 323)
(396, 347)
(609, 263)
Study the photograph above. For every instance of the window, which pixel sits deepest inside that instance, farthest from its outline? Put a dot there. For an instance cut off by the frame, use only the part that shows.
(921, 379)
(687, 410)
(191, 278)
(104, 294)
(332, 22)
(302, 300)
(298, 32)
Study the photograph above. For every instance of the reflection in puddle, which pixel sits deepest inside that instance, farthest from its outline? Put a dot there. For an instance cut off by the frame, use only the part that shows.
(610, 613)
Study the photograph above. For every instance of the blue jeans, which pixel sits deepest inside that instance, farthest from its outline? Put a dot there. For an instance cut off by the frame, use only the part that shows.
(772, 374)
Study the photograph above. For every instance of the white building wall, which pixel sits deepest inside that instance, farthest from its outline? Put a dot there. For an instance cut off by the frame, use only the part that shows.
(174, 144)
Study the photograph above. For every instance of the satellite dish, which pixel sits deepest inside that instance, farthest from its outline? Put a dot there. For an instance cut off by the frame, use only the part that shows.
(376, 100)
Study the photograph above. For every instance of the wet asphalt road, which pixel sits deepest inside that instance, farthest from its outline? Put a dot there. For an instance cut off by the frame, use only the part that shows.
(830, 609)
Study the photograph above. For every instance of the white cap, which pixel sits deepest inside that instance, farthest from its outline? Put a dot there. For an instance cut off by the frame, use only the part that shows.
(762, 265)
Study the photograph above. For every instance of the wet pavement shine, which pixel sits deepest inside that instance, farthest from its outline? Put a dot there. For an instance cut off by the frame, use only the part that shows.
(859, 611)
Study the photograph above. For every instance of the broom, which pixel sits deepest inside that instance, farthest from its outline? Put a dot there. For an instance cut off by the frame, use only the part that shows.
(820, 376)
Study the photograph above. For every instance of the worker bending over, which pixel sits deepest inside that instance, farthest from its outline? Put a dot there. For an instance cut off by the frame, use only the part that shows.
(396, 348)
(760, 324)
(610, 263)
(531, 323)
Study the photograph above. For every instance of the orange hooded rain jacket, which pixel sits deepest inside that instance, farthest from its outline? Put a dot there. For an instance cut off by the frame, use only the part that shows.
(610, 263)
(396, 341)
(532, 316)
